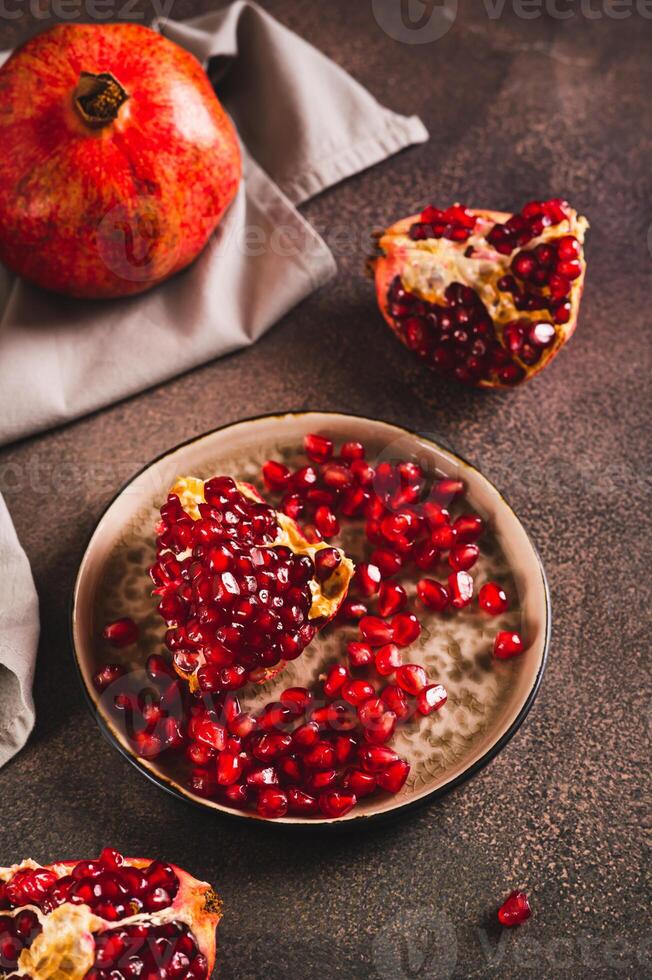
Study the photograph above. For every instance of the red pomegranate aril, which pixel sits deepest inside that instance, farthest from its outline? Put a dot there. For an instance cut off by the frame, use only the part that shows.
(108, 675)
(362, 473)
(298, 699)
(406, 628)
(302, 803)
(302, 480)
(345, 747)
(443, 537)
(376, 758)
(460, 589)
(463, 556)
(425, 555)
(356, 691)
(359, 782)
(327, 561)
(396, 701)
(468, 528)
(336, 476)
(507, 644)
(354, 501)
(352, 450)
(569, 269)
(447, 490)
(515, 909)
(326, 522)
(353, 611)
(393, 778)
(335, 678)
(292, 506)
(367, 578)
(276, 475)
(121, 633)
(264, 776)
(387, 659)
(336, 803)
(376, 632)
(387, 561)
(360, 654)
(306, 736)
(492, 599)
(317, 448)
(272, 803)
(315, 782)
(392, 598)
(321, 756)
(433, 594)
(411, 678)
(431, 698)
(381, 728)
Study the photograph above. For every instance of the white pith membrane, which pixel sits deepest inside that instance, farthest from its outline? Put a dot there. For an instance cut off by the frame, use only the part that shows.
(65, 949)
(428, 266)
(326, 596)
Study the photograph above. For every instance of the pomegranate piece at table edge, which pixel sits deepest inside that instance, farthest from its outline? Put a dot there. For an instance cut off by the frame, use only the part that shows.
(486, 297)
(172, 919)
(118, 160)
(242, 590)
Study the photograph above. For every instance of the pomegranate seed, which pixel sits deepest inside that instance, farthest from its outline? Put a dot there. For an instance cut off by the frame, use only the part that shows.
(387, 561)
(292, 506)
(360, 654)
(337, 476)
(326, 522)
(387, 659)
(327, 561)
(367, 578)
(352, 450)
(435, 514)
(393, 778)
(321, 756)
(272, 803)
(356, 692)
(306, 736)
(359, 782)
(376, 758)
(406, 628)
(571, 269)
(460, 588)
(568, 247)
(276, 475)
(376, 631)
(443, 537)
(353, 501)
(304, 479)
(345, 746)
(336, 677)
(431, 698)
(317, 448)
(392, 598)
(108, 675)
(363, 473)
(463, 556)
(425, 555)
(336, 803)
(229, 768)
(381, 727)
(507, 645)
(515, 909)
(318, 781)
(433, 594)
(121, 633)
(396, 701)
(353, 611)
(302, 803)
(265, 776)
(468, 528)
(210, 733)
(411, 678)
(298, 699)
(446, 491)
(493, 599)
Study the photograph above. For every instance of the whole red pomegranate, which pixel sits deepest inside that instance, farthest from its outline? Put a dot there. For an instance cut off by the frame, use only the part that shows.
(486, 297)
(114, 917)
(117, 162)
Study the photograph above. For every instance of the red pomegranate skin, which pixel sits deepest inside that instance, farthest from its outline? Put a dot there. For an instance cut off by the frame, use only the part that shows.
(102, 210)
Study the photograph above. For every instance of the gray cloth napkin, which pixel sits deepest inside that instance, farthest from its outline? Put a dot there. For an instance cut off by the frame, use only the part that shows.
(19, 631)
(305, 125)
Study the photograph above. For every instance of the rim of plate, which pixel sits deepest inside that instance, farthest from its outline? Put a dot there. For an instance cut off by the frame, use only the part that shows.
(353, 819)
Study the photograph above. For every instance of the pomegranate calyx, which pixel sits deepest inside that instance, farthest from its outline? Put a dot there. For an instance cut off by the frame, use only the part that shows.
(98, 98)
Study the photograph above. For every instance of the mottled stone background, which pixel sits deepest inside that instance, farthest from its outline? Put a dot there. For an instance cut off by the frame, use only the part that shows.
(520, 103)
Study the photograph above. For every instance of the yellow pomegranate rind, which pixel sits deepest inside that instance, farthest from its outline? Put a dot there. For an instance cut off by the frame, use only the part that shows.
(427, 267)
(327, 596)
(65, 948)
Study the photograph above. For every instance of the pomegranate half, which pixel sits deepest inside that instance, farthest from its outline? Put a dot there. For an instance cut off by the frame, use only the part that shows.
(242, 590)
(114, 917)
(117, 162)
(486, 297)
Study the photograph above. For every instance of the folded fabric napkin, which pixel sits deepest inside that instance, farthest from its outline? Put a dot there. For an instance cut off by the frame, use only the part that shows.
(305, 125)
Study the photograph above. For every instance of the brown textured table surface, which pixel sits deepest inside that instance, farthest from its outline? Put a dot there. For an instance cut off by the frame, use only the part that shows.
(517, 108)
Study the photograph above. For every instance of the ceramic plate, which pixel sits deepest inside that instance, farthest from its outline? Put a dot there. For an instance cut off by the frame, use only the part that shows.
(487, 699)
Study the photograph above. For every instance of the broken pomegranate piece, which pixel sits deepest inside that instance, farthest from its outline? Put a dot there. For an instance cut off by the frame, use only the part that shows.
(241, 589)
(114, 917)
(486, 297)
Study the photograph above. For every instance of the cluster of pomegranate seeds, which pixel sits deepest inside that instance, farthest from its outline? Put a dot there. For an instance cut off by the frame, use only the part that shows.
(233, 604)
(515, 909)
(113, 890)
(527, 224)
(455, 223)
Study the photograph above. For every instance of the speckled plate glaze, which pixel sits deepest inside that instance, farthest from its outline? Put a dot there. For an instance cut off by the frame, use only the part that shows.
(487, 699)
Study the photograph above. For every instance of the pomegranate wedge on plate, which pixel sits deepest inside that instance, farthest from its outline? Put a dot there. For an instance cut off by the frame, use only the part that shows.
(114, 917)
(486, 297)
(242, 590)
